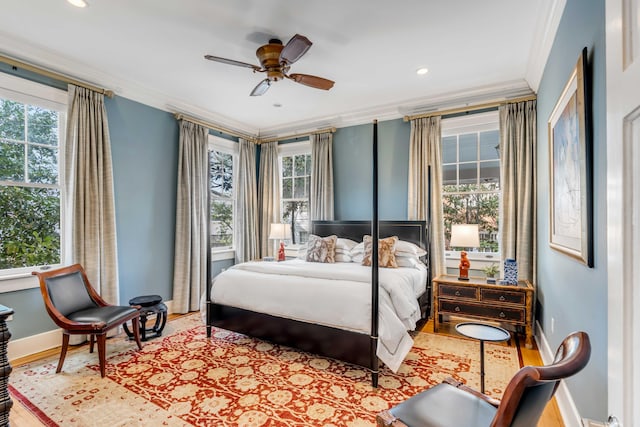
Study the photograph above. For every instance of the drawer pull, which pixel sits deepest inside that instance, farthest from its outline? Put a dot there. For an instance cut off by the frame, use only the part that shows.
(501, 298)
(457, 293)
(502, 315)
(457, 309)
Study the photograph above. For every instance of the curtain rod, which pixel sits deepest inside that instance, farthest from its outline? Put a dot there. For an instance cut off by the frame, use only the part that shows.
(297, 135)
(54, 75)
(180, 116)
(470, 108)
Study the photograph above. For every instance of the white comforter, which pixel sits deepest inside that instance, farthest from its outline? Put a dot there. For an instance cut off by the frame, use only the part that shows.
(336, 295)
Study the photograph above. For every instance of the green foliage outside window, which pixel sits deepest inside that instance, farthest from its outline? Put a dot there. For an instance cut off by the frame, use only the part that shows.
(29, 193)
(221, 185)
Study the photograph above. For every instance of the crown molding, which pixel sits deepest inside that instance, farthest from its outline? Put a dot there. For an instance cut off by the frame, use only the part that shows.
(543, 37)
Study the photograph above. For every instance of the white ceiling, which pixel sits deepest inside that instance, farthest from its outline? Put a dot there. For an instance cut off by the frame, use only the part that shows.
(152, 51)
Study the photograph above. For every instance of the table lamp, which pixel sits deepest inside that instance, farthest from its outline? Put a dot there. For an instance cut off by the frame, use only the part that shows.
(280, 232)
(464, 236)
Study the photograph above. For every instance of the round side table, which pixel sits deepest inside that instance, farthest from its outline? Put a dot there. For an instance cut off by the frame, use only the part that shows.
(482, 332)
(149, 305)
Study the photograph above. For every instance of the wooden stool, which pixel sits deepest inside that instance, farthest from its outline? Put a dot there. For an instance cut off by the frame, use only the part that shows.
(149, 305)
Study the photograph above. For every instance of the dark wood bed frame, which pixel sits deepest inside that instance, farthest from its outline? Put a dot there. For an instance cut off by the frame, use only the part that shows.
(347, 346)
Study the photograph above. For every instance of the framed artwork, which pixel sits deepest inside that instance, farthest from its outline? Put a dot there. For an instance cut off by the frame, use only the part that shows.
(571, 212)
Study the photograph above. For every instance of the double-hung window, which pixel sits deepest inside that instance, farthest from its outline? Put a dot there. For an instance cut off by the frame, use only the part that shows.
(471, 177)
(222, 185)
(32, 126)
(295, 182)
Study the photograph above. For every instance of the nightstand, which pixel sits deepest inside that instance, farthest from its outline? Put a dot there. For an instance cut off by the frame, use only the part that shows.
(476, 299)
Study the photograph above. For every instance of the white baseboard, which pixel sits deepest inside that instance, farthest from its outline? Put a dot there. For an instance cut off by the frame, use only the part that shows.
(568, 410)
(47, 340)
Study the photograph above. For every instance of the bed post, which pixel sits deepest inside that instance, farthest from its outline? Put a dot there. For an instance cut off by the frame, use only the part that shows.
(208, 257)
(374, 262)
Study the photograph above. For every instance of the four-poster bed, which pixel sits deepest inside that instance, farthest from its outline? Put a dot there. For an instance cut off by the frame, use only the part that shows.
(231, 301)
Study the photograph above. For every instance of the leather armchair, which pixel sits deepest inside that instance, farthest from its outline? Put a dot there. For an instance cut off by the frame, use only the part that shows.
(451, 403)
(77, 308)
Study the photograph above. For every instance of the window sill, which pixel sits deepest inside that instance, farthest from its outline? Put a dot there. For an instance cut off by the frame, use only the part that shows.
(18, 282)
(222, 255)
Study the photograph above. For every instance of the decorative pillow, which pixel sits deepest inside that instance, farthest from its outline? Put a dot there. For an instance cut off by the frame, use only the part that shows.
(357, 249)
(407, 248)
(321, 249)
(344, 245)
(386, 252)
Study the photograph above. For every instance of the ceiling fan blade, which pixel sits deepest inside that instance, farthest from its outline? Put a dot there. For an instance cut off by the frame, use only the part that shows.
(313, 81)
(262, 87)
(231, 62)
(295, 48)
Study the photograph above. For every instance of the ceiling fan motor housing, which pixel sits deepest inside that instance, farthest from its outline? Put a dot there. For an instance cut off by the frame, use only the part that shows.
(269, 56)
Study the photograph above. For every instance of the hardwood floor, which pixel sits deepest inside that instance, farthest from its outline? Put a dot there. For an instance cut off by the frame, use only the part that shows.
(21, 417)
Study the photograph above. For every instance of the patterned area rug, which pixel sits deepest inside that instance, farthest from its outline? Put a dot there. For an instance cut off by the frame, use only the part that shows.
(185, 379)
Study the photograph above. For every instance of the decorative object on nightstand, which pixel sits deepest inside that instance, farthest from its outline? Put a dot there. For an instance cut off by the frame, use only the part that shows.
(491, 271)
(464, 236)
(510, 271)
(280, 232)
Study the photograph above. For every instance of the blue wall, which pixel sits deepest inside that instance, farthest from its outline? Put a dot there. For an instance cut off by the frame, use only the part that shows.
(572, 294)
(353, 179)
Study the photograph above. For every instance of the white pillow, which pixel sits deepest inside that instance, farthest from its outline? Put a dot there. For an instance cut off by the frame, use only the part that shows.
(343, 257)
(344, 245)
(407, 261)
(407, 248)
(357, 249)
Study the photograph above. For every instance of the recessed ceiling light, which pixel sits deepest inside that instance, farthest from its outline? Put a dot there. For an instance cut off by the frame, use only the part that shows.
(78, 3)
(422, 71)
(277, 105)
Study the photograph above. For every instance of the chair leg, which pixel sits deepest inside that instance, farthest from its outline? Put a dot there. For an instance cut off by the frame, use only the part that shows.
(92, 340)
(102, 341)
(135, 323)
(63, 351)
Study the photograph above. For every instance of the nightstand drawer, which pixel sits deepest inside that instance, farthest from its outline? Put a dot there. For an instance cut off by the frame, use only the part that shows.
(458, 292)
(484, 311)
(502, 296)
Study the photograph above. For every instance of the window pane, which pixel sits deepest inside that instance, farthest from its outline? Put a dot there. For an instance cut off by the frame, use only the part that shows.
(449, 149)
(29, 227)
(469, 147)
(287, 188)
(490, 173)
(308, 159)
(489, 144)
(296, 213)
(469, 173)
(300, 186)
(221, 223)
(43, 165)
(12, 123)
(481, 209)
(287, 166)
(11, 161)
(42, 125)
(449, 177)
(300, 163)
(221, 174)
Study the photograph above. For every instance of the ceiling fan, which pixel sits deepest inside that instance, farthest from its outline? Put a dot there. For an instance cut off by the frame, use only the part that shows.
(275, 60)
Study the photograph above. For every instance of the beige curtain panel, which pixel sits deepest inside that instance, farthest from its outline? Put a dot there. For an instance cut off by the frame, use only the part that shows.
(321, 192)
(190, 267)
(268, 195)
(425, 155)
(90, 203)
(246, 233)
(518, 140)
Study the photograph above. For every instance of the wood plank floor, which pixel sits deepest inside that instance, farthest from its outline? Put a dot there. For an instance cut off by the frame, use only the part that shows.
(21, 417)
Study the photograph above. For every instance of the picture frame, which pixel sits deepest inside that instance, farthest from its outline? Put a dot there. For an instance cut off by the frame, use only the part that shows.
(570, 166)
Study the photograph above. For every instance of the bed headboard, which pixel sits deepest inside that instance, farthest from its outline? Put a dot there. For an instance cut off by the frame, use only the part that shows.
(411, 231)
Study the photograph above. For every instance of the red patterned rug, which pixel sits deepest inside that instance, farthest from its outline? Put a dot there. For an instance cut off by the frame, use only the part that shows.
(185, 379)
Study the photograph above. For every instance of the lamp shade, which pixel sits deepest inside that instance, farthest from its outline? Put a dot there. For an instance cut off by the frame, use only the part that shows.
(280, 231)
(465, 236)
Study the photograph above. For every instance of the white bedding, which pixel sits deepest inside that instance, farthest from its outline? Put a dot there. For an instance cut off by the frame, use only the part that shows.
(336, 295)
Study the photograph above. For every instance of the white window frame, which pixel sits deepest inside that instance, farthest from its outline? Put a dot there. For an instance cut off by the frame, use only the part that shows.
(472, 123)
(291, 149)
(32, 93)
(216, 143)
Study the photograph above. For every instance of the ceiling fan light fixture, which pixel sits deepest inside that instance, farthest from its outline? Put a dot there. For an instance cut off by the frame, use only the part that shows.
(78, 3)
(422, 71)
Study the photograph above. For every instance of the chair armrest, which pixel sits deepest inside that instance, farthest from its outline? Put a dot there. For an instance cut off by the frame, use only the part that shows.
(462, 386)
(386, 419)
